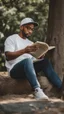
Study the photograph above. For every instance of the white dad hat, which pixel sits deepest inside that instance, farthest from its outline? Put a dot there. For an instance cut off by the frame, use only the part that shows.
(28, 21)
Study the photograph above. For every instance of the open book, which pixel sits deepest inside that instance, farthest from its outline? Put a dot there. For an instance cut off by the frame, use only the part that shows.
(42, 50)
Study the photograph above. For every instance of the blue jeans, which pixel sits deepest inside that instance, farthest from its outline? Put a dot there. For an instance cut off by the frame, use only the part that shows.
(28, 69)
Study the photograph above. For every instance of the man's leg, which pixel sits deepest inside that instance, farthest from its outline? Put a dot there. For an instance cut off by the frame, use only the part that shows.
(25, 69)
(45, 66)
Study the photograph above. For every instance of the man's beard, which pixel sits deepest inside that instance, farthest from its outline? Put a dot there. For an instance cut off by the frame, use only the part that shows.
(25, 35)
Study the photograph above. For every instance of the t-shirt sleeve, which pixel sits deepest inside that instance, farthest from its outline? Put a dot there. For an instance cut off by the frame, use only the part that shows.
(9, 45)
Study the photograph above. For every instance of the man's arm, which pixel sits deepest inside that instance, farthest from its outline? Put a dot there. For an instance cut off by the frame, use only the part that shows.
(14, 55)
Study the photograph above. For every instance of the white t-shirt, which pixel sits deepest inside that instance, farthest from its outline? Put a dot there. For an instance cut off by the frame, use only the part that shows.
(14, 43)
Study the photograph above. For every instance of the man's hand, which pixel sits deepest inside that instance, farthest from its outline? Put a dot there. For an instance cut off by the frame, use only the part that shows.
(31, 48)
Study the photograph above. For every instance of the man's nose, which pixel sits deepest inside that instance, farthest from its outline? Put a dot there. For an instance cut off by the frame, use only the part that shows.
(30, 31)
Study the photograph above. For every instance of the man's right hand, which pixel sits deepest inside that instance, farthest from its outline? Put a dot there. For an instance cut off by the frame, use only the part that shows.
(31, 48)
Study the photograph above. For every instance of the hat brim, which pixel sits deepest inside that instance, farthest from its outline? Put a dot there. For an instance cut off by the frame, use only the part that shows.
(35, 23)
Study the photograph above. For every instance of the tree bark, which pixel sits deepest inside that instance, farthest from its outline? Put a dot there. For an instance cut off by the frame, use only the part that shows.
(55, 34)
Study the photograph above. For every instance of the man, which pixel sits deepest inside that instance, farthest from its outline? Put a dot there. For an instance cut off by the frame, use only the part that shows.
(19, 61)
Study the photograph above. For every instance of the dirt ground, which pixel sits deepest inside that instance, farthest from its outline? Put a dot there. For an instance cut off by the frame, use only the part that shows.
(26, 104)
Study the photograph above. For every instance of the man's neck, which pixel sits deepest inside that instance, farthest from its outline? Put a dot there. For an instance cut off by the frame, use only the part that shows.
(21, 36)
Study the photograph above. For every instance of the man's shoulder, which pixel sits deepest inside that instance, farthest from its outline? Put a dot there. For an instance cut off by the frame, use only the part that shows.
(11, 37)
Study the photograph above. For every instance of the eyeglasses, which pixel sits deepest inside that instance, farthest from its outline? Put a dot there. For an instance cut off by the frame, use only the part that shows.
(29, 28)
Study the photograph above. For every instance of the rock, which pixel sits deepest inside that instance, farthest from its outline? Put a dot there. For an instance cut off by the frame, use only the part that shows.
(32, 107)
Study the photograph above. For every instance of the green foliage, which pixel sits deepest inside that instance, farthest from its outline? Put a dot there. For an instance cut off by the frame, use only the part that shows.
(13, 11)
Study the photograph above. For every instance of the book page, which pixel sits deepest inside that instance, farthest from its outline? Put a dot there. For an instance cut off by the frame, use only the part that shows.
(51, 47)
(43, 48)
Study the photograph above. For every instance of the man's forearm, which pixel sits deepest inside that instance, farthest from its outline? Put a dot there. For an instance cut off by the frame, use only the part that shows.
(14, 55)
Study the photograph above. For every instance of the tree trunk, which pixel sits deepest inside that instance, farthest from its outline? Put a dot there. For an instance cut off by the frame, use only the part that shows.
(56, 33)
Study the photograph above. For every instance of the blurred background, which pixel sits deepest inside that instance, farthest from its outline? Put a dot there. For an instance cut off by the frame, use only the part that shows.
(13, 11)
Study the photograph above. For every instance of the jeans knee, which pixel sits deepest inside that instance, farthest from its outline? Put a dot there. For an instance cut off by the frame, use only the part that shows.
(28, 62)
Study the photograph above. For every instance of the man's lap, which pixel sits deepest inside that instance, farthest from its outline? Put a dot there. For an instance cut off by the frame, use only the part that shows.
(17, 71)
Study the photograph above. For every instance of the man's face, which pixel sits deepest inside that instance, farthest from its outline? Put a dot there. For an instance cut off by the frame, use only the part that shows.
(27, 30)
